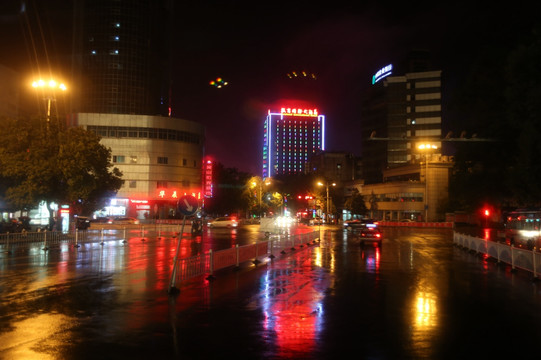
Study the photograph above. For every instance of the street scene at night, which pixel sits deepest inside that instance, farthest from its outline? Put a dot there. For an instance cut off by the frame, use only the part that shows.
(415, 297)
(287, 180)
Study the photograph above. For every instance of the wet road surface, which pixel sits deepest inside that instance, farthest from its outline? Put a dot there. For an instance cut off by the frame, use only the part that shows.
(416, 297)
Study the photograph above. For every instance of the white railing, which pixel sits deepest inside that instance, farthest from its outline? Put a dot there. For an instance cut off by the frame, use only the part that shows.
(8, 241)
(209, 263)
(518, 258)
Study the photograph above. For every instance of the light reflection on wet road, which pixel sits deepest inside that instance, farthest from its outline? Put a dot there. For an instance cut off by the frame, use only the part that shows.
(417, 297)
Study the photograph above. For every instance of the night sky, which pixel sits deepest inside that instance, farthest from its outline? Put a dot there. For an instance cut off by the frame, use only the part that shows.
(253, 45)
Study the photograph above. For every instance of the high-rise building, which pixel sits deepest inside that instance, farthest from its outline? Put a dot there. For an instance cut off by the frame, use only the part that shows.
(121, 57)
(290, 137)
(121, 91)
(400, 112)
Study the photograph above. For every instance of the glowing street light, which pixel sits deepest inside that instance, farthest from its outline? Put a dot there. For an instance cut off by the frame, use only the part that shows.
(49, 88)
(328, 204)
(425, 148)
(259, 181)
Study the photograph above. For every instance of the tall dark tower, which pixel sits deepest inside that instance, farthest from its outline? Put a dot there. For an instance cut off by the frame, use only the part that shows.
(121, 57)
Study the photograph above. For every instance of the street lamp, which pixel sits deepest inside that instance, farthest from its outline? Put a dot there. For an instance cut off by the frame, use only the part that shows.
(49, 88)
(426, 148)
(327, 188)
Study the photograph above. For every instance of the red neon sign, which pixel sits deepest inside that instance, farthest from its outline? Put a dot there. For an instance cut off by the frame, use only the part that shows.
(173, 194)
(299, 112)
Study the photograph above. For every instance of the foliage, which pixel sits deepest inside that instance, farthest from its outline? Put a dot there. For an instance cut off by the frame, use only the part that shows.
(229, 191)
(356, 204)
(501, 98)
(54, 163)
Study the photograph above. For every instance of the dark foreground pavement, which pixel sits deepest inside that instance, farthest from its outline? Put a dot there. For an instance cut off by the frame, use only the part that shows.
(416, 297)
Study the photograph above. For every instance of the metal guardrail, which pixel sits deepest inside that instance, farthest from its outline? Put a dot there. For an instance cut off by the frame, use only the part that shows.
(187, 268)
(48, 238)
(213, 261)
(518, 258)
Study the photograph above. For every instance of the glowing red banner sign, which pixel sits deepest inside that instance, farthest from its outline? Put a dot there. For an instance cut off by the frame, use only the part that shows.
(299, 112)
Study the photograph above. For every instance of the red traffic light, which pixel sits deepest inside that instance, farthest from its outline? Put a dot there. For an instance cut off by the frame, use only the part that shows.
(486, 212)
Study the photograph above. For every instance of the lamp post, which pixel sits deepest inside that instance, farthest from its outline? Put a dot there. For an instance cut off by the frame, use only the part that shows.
(328, 204)
(48, 88)
(425, 148)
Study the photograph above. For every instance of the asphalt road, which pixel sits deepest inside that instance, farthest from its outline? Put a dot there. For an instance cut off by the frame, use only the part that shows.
(416, 297)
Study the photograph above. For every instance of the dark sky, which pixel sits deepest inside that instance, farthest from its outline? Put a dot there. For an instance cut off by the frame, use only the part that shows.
(253, 45)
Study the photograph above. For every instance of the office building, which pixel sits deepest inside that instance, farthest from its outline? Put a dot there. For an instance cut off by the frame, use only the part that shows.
(291, 137)
(399, 113)
(121, 92)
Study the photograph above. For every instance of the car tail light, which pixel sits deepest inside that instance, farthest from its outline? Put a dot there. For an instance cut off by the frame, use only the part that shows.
(378, 235)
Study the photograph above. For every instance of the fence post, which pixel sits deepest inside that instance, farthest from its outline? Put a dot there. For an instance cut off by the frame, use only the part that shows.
(125, 240)
(143, 233)
(102, 242)
(271, 245)
(7, 244)
(76, 238)
(534, 266)
(256, 261)
(301, 243)
(211, 265)
(45, 247)
(237, 262)
(292, 242)
(512, 260)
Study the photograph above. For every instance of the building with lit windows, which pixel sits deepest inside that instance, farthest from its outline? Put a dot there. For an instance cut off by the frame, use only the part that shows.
(291, 137)
(121, 91)
(399, 112)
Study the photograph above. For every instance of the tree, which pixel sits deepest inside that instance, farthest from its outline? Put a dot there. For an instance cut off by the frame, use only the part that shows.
(229, 187)
(500, 100)
(355, 204)
(54, 163)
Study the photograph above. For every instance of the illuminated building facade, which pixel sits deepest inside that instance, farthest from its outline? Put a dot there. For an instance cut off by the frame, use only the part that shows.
(291, 137)
(122, 77)
(399, 112)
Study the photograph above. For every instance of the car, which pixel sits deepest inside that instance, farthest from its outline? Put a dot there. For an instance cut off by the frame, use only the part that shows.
(226, 221)
(349, 224)
(101, 220)
(82, 222)
(370, 233)
(359, 223)
(124, 220)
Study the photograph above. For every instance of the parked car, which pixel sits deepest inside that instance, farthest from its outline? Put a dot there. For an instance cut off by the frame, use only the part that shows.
(124, 220)
(226, 221)
(316, 221)
(101, 220)
(370, 233)
(82, 222)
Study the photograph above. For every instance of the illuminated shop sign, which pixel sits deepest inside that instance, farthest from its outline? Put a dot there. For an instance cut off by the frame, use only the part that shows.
(383, 72)
(207, 178)
(173, 194)
(298, 112)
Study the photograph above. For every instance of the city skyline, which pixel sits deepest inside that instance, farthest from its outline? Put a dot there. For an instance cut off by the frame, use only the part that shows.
(254, 50)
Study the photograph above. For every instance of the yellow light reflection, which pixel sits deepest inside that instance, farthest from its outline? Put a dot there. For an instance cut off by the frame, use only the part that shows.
(37, 338)
(426, 311)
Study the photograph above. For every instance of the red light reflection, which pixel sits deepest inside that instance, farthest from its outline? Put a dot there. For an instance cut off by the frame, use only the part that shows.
(292, 306)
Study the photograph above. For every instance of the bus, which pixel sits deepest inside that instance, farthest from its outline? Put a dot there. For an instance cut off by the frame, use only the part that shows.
(523, 229)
